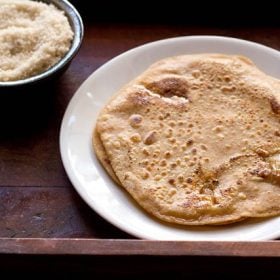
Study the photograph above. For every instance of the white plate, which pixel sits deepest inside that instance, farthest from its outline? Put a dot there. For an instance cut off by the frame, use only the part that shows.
(90, 179)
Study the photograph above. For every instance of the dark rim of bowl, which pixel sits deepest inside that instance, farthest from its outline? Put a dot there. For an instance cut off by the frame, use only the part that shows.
(77, 26)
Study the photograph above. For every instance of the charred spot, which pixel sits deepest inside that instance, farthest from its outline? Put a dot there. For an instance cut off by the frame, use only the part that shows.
(171, 181)
(275, 106)
(239, 182)
(150, 138)
(262, 152)
(261, 171)
(189, 142)
(189, 180)
(169, 87)
(139, 98)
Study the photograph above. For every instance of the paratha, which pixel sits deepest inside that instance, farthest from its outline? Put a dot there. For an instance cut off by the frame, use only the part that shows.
(195, 140)
(102, 156)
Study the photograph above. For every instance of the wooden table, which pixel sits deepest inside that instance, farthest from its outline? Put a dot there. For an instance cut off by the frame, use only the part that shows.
(41, 213)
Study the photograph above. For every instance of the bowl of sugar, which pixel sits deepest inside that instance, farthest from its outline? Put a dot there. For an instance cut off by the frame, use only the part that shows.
(38, 40)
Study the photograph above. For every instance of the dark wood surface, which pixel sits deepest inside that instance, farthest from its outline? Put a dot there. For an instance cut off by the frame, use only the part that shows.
(36, 198)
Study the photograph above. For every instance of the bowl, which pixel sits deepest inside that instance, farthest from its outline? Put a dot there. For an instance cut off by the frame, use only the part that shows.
(56, 70)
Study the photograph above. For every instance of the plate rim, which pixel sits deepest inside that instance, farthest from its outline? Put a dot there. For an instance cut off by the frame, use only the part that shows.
(71, 105)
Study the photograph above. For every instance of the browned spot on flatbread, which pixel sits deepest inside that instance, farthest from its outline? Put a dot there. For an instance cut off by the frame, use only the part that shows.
(139, 98)
(275, 105)
(169, 87)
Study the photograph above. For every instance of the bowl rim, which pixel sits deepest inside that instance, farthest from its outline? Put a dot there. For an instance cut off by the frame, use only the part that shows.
(78, 29)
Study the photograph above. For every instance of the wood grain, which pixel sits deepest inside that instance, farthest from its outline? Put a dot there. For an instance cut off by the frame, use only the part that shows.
(114, 247)
(46, 212)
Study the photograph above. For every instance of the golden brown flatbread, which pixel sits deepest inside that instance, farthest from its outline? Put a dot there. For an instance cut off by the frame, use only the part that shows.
(102, 156)
(195, 140)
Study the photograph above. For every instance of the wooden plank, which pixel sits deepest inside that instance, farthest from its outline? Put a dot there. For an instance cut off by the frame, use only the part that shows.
(50, 212)
(138, 247)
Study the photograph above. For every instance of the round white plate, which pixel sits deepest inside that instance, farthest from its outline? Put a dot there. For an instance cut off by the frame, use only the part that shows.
(89, 177)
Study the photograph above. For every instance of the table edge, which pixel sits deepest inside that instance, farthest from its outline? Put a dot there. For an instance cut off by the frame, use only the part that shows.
(121, 247)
